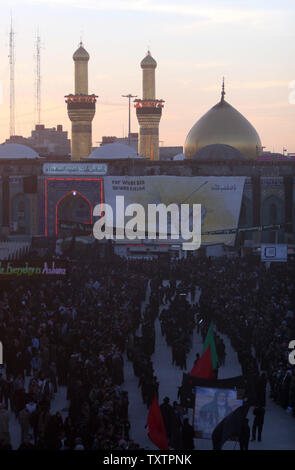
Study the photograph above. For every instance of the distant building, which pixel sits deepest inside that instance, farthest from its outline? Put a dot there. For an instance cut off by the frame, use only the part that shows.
(276, 156)
(46, 141)
(50, 141)
(132, 142)
(114, 150)
(108, 139)
(18, 139)
(168, 153)
(165, 153)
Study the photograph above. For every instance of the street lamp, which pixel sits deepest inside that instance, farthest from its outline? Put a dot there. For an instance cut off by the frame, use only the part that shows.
(129, 96)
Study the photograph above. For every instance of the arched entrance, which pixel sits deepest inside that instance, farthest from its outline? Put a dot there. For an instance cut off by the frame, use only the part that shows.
(72, 207)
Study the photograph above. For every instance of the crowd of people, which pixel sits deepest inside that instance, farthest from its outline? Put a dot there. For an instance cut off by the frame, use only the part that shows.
(177, 325)
(254, 306)
(179, 432)
(73, 333)
(69, 333)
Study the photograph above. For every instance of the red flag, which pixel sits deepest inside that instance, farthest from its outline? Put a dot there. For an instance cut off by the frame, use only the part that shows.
(203, 368)
(155, 426)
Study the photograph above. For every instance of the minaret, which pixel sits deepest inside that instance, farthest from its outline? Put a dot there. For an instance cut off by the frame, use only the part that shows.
(148, 111)
(81, 107)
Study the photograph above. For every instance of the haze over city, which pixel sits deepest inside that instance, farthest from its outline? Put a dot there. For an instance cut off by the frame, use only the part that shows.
(195, 45)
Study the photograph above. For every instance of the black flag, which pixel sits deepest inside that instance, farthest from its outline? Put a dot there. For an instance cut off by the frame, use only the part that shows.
(229, 427)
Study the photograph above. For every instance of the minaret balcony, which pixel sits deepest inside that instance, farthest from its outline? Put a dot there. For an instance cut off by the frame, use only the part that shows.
(149, 103)
(81, 101)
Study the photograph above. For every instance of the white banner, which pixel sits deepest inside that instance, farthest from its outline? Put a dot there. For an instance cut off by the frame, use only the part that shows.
(220, 198)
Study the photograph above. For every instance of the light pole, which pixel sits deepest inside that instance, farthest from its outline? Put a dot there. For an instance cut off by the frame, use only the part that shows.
(129, 96)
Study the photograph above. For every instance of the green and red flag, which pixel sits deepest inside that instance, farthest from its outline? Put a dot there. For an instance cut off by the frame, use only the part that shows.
(203, 367)
(209, 341)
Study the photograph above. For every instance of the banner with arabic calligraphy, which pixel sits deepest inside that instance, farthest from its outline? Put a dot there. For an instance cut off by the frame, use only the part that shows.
(75, 168)
(220, 198)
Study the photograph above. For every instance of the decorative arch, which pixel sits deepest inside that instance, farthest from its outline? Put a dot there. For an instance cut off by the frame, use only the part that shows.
(67, 195)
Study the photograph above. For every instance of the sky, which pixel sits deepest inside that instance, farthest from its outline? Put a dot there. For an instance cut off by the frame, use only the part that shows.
(195, 43)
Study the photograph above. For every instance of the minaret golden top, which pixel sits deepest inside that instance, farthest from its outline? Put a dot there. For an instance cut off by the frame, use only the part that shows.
(81, 53)
(148, 62)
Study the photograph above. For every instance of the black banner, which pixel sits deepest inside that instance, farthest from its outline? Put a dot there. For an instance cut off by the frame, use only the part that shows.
(232, 382)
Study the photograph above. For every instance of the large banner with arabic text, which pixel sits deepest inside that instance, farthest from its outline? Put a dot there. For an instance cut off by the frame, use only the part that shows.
(220, 198)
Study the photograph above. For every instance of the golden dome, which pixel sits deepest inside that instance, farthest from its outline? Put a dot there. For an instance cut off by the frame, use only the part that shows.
(223, 124)
(81, 53)
(148, 62)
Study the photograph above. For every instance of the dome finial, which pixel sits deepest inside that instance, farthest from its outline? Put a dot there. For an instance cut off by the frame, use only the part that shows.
(222, 91)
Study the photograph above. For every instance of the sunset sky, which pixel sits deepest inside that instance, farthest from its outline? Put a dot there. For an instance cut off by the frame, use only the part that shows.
(195, 43)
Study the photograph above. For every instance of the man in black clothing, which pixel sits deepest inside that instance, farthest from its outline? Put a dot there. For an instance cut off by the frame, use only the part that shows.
(188, 435)
(258, 422)
(176, 427)
(261, 389)
(244, 435)
(167, 411)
